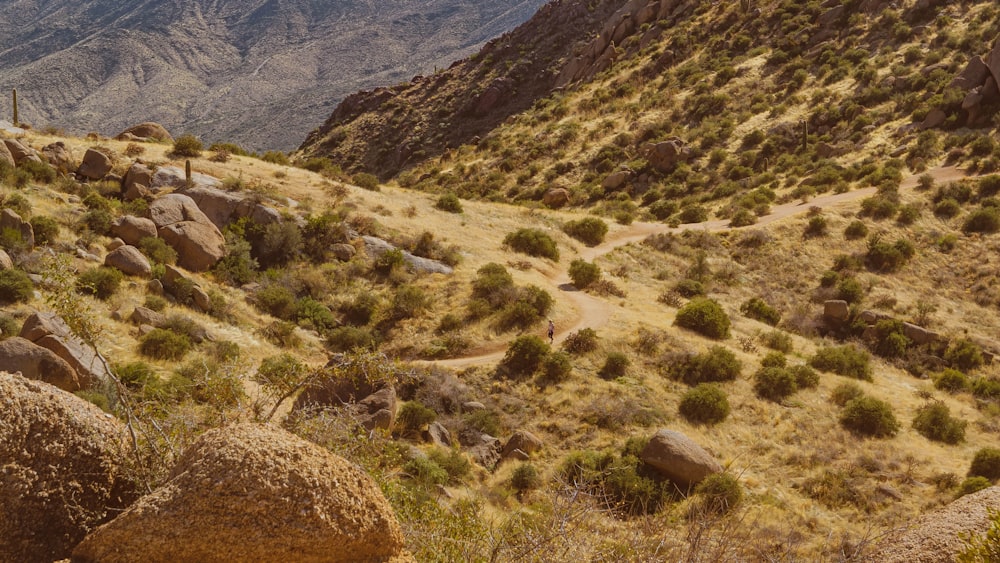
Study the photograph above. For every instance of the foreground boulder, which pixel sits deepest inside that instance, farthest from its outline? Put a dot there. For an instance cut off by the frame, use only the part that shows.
(679, 458)
(61, 475)
(35, 362)
(253, 493)
(51, 332)
(936, 536)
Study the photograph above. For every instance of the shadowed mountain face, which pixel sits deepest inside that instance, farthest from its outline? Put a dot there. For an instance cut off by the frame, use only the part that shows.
(261, 73)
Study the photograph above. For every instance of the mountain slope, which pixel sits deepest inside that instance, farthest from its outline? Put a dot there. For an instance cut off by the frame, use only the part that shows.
(247, 71)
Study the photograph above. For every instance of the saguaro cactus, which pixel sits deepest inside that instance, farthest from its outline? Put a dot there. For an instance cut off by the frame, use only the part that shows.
(187, 172)
(17, 122)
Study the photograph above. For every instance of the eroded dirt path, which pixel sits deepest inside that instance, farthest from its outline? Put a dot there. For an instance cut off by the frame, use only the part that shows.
(594, 312)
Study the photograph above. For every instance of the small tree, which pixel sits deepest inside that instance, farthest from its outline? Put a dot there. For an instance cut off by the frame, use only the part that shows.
(583, 273)
(524, 356)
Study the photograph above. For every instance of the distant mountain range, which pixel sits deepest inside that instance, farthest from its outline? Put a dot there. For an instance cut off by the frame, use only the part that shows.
(261, 73)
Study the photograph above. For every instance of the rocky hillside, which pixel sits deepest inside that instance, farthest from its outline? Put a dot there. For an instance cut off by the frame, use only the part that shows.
(257, 73)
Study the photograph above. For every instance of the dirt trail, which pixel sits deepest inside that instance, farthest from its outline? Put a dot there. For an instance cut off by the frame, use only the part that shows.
(592, 312)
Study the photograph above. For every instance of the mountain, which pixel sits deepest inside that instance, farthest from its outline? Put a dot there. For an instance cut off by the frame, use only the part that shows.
(260, 73)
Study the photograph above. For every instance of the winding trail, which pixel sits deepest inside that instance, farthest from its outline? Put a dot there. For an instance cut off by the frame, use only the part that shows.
(593, 312)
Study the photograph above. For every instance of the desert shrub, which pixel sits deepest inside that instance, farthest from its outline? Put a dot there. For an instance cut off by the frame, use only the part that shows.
(777, 340)
(844, 360)
(408, 302)
(448, 323)
(187, 146)
(869, 416)
(589, 230)
(690, 288)
(494, 284)
(964, 354)
(360, 310)
(856, 230)
(154, 303)
(164, 344)
(524, 356)
(774, 360)
(9, 326)
(805, 376)
(15, 287)
(885, 257)
(947, 208)
(889, 340)
(413, 416)
(556, 367)
(157, 250)
(581, 341)
(424, 471)
(705, 404)
(662, 209)
(313, 314)
(626, 486)
(757, 308)
(849, 289)
(705, 317)
(693, 214)
(986, 463)
(453, 461)
(101, 282)
(774, 383)
(973, 485)
(615, 365)
(449, 202)
(348, 338)
(715, 364)
(366, 181)
(908, 214)
(134, 375)
(525, 478)
(532, 242)
(45, 229)
(530, 305)
(275, 157)
(742, 218)
(485, 421)
(388, 261)
(97, 221)
(275, 299)
(720, 493)
(951, 380)
(984, 220)
(816, 227)
(845, 393)
(583, 273)
(934, 422)
(238, 266)
(278, 244)
(986, 388)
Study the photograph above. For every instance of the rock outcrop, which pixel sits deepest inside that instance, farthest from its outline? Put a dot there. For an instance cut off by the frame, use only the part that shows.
(173, 177)
(376, 247)
(50, 331)
(35, 362)
(936, 536)
(373, 405)
(95, 165)
(179, 222)
(223, 207)
(679, 458)
(11, 220)
(60, 475)
(253, 493)
(146, 132)
(130, 261)
(133, 229)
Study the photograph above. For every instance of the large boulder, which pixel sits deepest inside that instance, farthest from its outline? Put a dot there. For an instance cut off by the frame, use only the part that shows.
(522, 441)
(174, 177)
(376, 247)
(137, 175)
(51, 332)
(182, 225)
(836, 309)
(254, 493)
(11, 220)
(5, 156)
(130, 261)
(20, 152)
(95, 165)
(937, 536)
(35, 362)
(58, 156)
(664, 156)
(148, 131)
(223, 207)
(556, 197)
(132, 229)
(60, 470)
(679, 458)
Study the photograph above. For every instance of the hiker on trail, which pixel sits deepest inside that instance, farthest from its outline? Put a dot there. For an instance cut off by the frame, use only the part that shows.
(552, 331)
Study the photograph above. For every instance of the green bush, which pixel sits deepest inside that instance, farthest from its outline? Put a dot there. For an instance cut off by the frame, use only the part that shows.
(624, 484)
(984, 547)
(849, 289)
(986, 463)
(366, 181)
(360, 311)
(774, 383)
(424, 471)
(45, 229)
(986, 388)
(777, 340)
(690, 288)
(165, 344)
(889, 340)
(984, 220)
(705, 317)
(869, 416)
(348, 338)
(589, 230)
(714, 365)
(276, 299)
(408, 302)
(844, 360)
(449, 202)
(101, 282)
(856, 230)
(757, 308)
(238, 266)
(413, 416)
(453, 461)
(615, 366)
(964, 355)
(581, 341)
(908, 214)
(157, 250)
(97, 221)
(705, 404)
(816, 227)
(844, 393)
(134, 375)
(951, 380)
(693, 214)
(312, 314)
(187, 146)
(484, 421)
(388, 261)
(524, 356)
(9, 326)
(556, 367)
(947, 208)
(532, 242)
(774, 360)
(973, 485)
(525, 478)
(742, 218)
(583, 273)
(934, 422)
(885, 257)
(805, 376)
(720, 493)
(15, 287)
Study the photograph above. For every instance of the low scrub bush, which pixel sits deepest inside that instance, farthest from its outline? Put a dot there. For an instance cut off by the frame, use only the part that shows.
(984, 220)
(532, 242)
(869, 416)
(885, 257)
(705, 404)
(774, 383)
(589, 230)
(805, 376)
(9, 326)
(348, 338)
(986, 388)
(45, 229)
(777, 340)
(615, 366)
(581, 341)
(165, 344)
(556, 368)
(757, 308)
(844, 360)
(973, 485)
(986, 463)
(15, 287)
(187, 146)
(720, 493)
(425, 471)
(453, 461)
(525, 478)
(844, 393)
(705, 317)
(714, 365)
(888, 339)
(524, 356)
(101, 282)
(366, 181)
(624, 483)
(413, 417)
(449, 202)
(951, 380)
(583, 273)
(856, 230)
(934, 422)
(157, 250)
(690, 288)
(964, 354)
